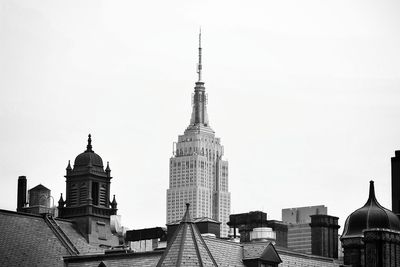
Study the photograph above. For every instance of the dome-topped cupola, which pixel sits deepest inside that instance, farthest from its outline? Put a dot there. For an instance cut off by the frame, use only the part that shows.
(87, 199)
(371, 216)
(371, 235)
(88, 159)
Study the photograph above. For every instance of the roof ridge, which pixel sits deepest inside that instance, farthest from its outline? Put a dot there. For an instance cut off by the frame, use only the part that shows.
(64, 239)
(20, 213)
(182, 245)
(196, 246)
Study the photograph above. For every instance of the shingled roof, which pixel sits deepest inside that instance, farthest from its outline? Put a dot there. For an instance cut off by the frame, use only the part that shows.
(262, 251)
(33, 240)
(187, 247)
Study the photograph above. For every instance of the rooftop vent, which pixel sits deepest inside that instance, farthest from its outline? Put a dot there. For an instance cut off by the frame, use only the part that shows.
(262, 234)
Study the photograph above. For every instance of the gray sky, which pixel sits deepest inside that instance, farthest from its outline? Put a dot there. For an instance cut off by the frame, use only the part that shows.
(305, 96)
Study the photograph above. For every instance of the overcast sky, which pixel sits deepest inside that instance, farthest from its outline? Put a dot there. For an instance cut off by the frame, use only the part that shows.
(305, 96)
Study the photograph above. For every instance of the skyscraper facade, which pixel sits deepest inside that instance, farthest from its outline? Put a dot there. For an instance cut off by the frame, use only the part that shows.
(198, 174)
(299, 229)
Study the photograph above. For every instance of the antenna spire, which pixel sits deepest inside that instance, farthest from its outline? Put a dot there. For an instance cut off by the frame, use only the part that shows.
(199, 66)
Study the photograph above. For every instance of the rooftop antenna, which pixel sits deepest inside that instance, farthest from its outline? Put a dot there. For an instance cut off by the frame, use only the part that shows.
(199, 66)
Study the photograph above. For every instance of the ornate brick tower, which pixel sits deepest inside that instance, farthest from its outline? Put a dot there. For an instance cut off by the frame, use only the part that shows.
(198, 174)
(88, 197)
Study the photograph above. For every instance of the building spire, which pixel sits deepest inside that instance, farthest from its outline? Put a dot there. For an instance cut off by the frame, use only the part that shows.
(199, 65)
(199, 113)
(89, 145)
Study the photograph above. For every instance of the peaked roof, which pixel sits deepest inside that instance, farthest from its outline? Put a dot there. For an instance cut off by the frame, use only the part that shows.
(39, 187)
(187, 246)
(265, 252)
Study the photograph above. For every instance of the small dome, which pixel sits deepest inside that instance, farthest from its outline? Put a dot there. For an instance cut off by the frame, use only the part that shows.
(372, 215)
(88, 158)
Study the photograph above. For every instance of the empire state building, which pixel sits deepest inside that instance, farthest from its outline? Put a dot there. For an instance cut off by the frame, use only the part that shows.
(198, 174)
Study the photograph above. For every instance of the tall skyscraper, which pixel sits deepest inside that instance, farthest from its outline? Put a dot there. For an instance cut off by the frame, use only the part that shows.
(198, 175)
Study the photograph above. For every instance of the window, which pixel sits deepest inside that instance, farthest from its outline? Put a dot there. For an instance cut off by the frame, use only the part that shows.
(95, 193)
(103, 195)
(73, 195)
(83, 194)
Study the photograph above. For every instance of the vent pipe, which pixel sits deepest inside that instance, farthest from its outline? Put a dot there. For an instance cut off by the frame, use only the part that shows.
(262, 234)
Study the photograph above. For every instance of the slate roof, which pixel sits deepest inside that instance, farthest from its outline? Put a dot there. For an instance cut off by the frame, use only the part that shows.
(263, 251)
(26, 240)
(70, 229)
(196, 220)
(187, 247)
(226, 253)
(29, 240)
(123, 259)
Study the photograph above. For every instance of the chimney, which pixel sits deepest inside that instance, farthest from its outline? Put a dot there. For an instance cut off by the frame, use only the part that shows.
(21, 193)
(324, 235)
(246, 222)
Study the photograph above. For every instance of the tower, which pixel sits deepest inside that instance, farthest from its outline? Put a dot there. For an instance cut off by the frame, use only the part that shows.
(88, 197)
(198, 174)
(371, 235)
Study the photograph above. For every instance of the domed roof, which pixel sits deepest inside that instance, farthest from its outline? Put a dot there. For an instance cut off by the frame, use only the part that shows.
(88, 158)
(371, 215)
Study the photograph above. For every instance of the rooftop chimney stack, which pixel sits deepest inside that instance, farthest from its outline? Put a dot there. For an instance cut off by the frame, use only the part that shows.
(324, 235)
(21, 194)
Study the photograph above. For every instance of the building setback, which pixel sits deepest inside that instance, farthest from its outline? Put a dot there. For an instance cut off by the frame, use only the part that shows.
(198, 174)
